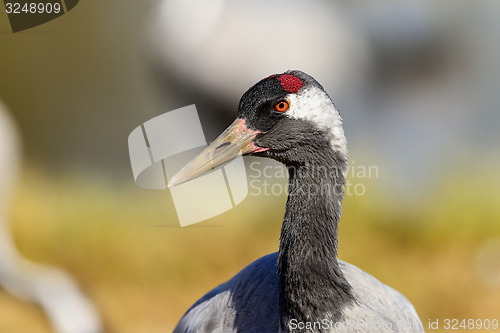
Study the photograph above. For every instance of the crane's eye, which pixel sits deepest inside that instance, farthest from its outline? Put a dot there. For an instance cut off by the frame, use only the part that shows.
(282, 106)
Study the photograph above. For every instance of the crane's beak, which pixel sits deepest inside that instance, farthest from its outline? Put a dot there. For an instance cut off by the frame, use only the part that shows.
(235, 141)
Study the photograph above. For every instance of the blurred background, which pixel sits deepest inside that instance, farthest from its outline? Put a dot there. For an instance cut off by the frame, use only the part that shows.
(416, 83)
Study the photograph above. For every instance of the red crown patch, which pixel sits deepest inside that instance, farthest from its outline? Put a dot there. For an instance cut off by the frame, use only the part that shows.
(290, 83)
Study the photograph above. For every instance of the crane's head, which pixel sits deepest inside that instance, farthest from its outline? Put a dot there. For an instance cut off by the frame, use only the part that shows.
(288, 117)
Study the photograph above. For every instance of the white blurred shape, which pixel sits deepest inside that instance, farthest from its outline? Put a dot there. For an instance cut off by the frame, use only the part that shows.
(68, 309)
(240, 42)
(189, 22)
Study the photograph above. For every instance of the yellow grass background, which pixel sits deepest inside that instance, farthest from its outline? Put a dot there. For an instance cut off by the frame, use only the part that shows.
(122, 245)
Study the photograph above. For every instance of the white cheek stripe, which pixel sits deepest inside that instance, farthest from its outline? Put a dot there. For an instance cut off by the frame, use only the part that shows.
(314, 105)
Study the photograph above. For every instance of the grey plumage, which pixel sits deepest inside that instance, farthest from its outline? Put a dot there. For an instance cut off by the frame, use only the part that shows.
(249, 303)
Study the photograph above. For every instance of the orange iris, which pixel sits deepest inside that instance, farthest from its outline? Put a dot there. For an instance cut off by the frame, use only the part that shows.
(282, 106)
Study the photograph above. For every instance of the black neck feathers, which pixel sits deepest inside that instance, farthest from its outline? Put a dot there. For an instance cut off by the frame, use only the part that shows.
(311, 285)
